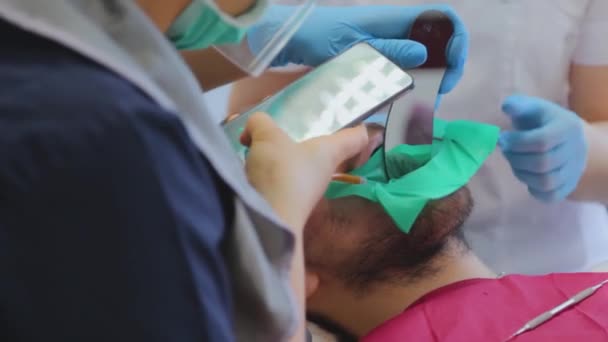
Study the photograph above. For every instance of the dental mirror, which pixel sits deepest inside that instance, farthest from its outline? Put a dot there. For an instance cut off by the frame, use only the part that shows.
(410, 118)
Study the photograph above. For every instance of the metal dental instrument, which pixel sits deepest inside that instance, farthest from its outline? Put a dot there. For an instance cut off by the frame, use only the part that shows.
(548, 315)
(410, 119)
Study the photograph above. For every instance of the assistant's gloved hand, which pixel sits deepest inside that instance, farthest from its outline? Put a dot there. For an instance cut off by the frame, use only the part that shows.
(330, 30)
(547, 150)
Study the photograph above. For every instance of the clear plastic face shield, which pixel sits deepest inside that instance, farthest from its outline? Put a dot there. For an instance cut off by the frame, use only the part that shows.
(255, 54)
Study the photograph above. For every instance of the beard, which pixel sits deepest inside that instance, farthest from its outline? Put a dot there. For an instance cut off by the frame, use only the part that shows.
(357, 241)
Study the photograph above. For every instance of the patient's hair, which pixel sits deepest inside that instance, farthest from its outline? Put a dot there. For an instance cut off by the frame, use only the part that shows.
(380, 252)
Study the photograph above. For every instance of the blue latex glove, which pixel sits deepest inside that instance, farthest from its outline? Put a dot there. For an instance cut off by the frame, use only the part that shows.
(330, 30)
(547, 150)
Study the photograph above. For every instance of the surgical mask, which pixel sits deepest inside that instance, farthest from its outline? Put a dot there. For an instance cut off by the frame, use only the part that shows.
(202, 24)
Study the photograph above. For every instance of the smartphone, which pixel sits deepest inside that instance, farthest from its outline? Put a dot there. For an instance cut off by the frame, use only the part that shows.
(340, 93)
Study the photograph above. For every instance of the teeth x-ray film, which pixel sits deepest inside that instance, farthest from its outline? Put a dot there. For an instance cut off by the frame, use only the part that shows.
(340, 93)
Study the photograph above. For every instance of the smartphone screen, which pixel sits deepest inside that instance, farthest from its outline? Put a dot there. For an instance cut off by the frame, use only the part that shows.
(340, 93)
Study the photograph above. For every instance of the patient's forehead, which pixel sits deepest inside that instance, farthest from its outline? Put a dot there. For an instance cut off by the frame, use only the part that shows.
(336, 230)
(344, 216)
(356, 217)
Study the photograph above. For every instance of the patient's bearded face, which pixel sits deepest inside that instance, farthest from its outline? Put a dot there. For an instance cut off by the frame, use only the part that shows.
(355, 240)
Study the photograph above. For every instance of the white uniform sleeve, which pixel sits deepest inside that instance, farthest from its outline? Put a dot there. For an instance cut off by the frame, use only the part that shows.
(592, 47)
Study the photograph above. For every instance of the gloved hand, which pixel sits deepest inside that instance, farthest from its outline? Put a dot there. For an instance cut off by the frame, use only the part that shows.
(331, 30)
(547, 149)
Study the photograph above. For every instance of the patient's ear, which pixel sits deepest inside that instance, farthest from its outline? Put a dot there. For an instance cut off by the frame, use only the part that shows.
(312, 283)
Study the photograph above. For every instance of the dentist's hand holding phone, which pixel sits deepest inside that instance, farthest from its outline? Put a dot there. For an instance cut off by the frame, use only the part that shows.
(340, 93)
